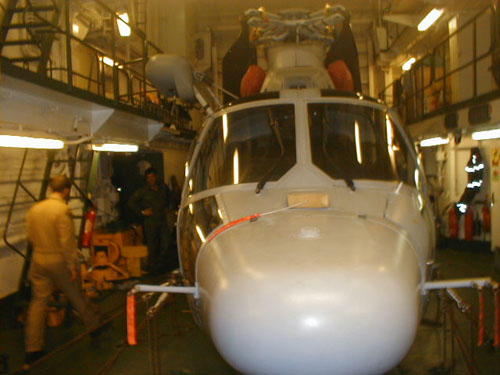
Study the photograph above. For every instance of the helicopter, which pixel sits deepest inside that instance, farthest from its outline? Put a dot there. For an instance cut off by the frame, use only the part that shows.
(305, 232)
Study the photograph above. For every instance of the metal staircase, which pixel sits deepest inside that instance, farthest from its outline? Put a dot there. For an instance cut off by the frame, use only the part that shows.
(30, 23)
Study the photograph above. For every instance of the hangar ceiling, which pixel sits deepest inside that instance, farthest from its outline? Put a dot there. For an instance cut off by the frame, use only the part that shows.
(220, 13)
(221, 16)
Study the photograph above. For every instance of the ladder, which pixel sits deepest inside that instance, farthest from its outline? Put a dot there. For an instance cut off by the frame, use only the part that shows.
(77, 165)
(28, 30)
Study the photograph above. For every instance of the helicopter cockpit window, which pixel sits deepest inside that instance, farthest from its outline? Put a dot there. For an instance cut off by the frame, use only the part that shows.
(356, 142)
(246, 146)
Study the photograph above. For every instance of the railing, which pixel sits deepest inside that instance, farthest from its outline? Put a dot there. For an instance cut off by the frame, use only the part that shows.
(96, 59)
(467, 330)
(455, 74)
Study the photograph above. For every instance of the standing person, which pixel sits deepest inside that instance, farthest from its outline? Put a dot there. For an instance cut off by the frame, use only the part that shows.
(151, 202)
(53, 265)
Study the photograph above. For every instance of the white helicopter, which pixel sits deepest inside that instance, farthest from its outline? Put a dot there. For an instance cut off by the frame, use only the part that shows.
(305, 238)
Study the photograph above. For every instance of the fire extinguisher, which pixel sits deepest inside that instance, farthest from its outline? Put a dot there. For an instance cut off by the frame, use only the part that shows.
(478, 225)
(469, 224)
(88, 227)
(486, 218)
(453, 221)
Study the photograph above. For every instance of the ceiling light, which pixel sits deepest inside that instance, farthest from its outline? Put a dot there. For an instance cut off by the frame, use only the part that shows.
(436, 141)
(487, 134)
(106, 60)
(80, 25)
(122, 22)
(115, 147)
(30, 142)
(429, 19)
(407, 65)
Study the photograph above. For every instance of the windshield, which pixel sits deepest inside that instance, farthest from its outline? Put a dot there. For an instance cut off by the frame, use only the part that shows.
(357, 142)
(246, 146)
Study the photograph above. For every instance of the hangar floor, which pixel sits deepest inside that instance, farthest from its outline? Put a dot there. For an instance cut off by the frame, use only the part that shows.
(187, 350)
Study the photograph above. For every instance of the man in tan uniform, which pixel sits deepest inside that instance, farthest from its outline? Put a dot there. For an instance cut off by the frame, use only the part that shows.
(53, 265)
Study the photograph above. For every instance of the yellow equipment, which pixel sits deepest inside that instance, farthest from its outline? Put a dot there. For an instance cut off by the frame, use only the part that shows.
(114, 257)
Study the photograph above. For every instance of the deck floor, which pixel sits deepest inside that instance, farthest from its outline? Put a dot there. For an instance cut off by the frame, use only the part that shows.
(185, 349)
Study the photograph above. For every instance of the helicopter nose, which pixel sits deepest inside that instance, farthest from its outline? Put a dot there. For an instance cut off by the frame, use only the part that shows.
(324, 302)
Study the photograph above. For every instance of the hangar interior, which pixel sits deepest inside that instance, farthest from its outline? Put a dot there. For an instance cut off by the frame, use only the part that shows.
(74, 71)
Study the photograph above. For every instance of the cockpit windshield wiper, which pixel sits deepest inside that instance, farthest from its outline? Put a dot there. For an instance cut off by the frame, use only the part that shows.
(348, 181)
(274, 124)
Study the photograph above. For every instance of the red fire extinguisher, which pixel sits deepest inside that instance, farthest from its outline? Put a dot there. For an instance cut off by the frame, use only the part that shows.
(469, 224)
(88, 227)
(486, 218)
(453, 221)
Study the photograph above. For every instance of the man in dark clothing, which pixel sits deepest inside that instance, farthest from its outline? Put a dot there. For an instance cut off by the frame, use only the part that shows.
(151, 202)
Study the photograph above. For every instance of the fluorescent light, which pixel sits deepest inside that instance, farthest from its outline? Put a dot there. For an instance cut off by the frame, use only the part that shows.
(407, 65)
(80, 25)
(429, 19)
(487, 134)
(115, 147)
(108, 61)
(122, 22)
(30, 142)
(436, 141)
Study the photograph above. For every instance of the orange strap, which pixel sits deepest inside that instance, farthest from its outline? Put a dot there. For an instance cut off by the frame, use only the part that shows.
(480, 340)
(496, 291)
(232, 224)
(131, 329)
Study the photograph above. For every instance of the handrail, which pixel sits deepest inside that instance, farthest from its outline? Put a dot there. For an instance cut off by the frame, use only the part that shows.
(126, 81)
(413, 104)
(11, 208)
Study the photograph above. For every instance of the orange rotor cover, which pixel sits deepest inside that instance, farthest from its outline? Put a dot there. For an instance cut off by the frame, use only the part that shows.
(252, 81)
(341, 76)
